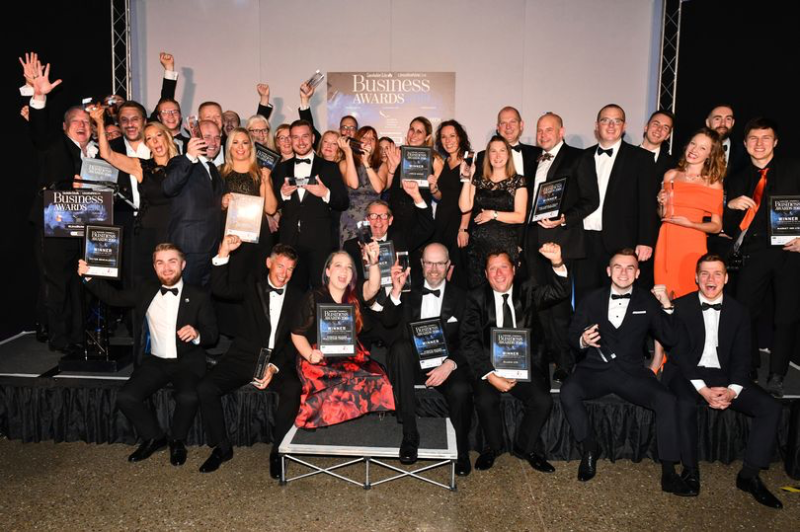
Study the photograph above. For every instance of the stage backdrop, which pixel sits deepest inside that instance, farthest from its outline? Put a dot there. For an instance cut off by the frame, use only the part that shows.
(570, 57)
(389, 101)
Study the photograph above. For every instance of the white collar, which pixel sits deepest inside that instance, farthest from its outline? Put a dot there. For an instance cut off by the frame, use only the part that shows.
(614, 291)
(614, 147)
(555, 149)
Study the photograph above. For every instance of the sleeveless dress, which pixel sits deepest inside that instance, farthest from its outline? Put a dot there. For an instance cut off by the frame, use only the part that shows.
(678, 248)
(150, 226)
(493, 235)
(359, 199)
(339, 388)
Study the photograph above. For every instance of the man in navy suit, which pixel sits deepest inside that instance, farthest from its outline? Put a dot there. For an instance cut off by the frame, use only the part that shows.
(710, 363)
(196, 189)
(177, 318)
(610, 328)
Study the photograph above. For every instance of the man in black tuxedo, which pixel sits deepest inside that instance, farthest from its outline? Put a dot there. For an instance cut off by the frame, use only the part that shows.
(721, 119)
(178, 319)
(410, 239)
(306, 210)
(558, 160)
(212, 111)
(625, 217)
(60, 155)
(746, 219)
(510, 126)
(610, 327)
(431, 297)
(656, 132)
(196, 189)
(502, 304)
(269, 304)
(710, 362)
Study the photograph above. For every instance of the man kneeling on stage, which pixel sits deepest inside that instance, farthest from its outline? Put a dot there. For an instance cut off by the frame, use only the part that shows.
(177, 318)
(610, 327)
(269, 304)
(711, 360)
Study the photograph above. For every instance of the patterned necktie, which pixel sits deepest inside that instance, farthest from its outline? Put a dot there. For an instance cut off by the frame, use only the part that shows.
(757, 195)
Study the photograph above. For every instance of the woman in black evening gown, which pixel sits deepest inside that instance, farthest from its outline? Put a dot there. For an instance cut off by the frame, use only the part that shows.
(150, 226)
(243, 176)
(451, 139)
(497, 201)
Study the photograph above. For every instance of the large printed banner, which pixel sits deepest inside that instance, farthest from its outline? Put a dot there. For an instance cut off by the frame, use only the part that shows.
(388, 101)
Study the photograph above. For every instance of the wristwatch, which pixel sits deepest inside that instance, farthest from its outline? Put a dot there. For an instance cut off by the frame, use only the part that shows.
(494, 215)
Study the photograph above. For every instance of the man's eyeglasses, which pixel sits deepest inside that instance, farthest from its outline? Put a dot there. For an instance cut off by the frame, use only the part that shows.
(375, 216)
(429, 264)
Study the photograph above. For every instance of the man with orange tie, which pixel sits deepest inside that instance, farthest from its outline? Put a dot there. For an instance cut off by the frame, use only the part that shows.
(766, 266)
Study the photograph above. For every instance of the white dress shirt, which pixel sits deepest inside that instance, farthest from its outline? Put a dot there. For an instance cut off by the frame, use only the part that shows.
(603, 165)
(141, 152)
(618, 307)
(432, 305)
(726, 149)
(275, 307)
(519, 165)
(498, 308)
(543, 167)
(710, 357)
(162, 319)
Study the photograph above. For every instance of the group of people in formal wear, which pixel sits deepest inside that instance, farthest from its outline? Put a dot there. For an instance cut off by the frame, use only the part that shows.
(639, 252)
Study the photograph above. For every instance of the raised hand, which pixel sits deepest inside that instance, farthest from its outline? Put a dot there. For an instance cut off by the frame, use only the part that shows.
(263, 93)
(97, 113)
(167, 61)
(29, 67)
(412, 189)
(393, 157)
(552, 252)
(306, 92)
(41, 80)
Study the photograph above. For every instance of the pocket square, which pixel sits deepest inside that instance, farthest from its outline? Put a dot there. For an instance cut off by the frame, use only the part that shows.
(639, 312)
(452, 319)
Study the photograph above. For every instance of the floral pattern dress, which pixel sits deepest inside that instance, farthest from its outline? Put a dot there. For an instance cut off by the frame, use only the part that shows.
(337, 389)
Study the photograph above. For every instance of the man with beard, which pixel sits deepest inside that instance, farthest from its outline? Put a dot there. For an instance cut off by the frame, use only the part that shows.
(177, 318)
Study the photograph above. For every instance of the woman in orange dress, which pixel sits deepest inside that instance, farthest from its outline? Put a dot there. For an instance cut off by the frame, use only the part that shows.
(690, 193)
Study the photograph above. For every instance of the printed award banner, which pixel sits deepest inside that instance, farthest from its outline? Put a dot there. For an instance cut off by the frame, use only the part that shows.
(388, 101)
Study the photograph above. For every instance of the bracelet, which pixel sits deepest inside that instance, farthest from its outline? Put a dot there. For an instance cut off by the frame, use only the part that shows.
(557, 266)
(463, 230)
(668, 308)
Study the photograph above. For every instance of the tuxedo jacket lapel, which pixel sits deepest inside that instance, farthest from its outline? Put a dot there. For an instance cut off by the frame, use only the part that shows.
(617, 169)
(448, 304)
(552, 172)
(724, 334)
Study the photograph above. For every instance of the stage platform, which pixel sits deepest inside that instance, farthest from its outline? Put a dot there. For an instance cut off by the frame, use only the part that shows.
(39, 403)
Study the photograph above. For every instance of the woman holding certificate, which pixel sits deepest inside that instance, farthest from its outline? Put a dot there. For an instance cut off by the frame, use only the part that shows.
(243, 176)
(420, 134)
(339, 380)
(497, 199)
(150, 227)
(690, 193)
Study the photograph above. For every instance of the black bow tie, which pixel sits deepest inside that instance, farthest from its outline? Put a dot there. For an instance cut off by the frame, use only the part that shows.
(426, 291)
(164, 290)
(620, 296)
(544, 157)
(601, 151)
(715, 306)
(278, 291)
(298, 161)
(517, 148)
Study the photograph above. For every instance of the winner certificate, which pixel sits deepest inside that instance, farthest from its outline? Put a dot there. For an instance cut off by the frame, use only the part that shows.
(511, 353)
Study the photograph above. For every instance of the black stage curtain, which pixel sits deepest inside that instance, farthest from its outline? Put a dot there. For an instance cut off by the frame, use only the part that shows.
(85, 412)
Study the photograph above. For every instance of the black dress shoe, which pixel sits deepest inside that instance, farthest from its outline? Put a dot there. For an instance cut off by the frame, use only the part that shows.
(673, 483)
(275, 465)
(588, 468)
(463, 465)
(759, 491)
(177, 452)
(408, 448)
(560, 375)
(537, 461)
(485, 460)
(147, 448)
(218, 456)
(42, 335)
(692, 479)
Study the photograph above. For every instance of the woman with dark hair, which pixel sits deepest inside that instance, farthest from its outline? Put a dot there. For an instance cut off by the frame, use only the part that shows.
(364, 175)
(243, 176)
(690, 193)
(499, 197)
(420, 133)
(451, 139)
(150, 226)
(342, 388)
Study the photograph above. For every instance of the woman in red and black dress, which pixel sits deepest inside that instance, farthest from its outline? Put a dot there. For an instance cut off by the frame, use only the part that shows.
(339, 389)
